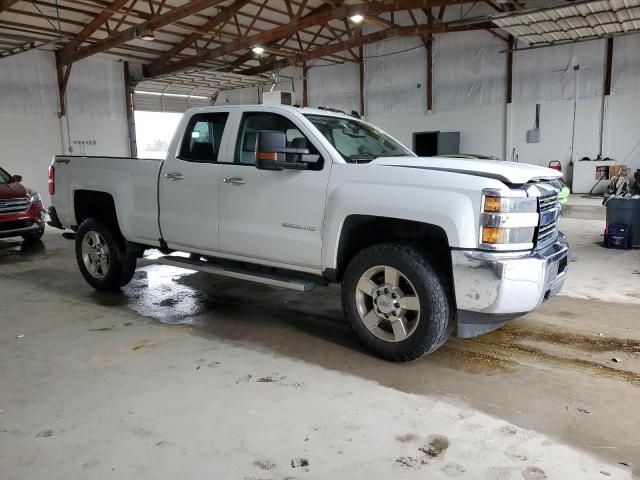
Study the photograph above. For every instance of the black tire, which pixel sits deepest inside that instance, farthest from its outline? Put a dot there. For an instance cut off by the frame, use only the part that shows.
(435, 320)
(33, 237)
(122, 265)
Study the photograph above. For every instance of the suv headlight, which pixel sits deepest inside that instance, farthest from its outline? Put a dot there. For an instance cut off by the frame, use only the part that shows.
(34, 197)
(508, 220)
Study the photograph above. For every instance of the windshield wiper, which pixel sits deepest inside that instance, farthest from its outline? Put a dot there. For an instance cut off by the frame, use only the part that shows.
(361, 156)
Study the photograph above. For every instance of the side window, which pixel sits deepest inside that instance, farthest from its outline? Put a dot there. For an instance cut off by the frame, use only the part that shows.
(253, 122)
(203, 136)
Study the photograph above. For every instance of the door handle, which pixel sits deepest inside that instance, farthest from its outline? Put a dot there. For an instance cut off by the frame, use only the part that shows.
(234, 180)
(174, 176)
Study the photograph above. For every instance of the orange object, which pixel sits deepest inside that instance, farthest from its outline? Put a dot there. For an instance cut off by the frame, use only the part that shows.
(492, 204)
(267, 156)
(492, 235)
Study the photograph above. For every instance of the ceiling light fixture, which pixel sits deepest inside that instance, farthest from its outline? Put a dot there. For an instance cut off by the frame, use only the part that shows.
(146, 35)
(258, 50)
(357, 18)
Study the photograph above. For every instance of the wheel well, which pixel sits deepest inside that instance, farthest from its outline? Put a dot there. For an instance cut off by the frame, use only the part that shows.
(362, 231)
(99, 205)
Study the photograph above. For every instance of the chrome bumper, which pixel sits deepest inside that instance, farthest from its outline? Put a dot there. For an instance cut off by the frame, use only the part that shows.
(492, 287)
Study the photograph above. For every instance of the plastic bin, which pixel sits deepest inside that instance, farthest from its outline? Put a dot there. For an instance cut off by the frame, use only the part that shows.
(625, 211)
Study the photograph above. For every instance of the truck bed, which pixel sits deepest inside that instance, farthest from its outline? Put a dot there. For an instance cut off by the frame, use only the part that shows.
(131, 182)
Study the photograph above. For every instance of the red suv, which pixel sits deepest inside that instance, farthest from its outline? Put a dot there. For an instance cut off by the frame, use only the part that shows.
(21, 210)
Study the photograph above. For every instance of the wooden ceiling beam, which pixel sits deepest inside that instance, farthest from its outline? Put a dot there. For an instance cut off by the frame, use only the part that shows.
(6, 4)
(371, 20)
(222, 17)
(174, 28)
(322, 17)
(129, 34)
(97, 22)
(358, 41)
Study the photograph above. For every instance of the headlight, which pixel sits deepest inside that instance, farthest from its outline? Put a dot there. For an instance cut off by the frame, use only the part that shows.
(508, 220)
(34, 197)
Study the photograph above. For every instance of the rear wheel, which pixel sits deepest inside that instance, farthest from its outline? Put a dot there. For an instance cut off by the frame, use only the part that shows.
(101, 256)
(395, 302)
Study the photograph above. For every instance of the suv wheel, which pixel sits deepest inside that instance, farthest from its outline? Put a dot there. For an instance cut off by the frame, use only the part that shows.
(395, 302)
(102, 258)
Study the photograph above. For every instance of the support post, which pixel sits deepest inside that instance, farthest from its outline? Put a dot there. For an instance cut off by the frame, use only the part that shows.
(361, 78)
(511, 45)
(129, 103)
(608, 67)
(63, 79)
(429, 42)
(606, 90)
(305, 85)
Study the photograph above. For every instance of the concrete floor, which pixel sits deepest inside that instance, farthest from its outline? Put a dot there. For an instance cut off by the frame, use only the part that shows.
(183, 375)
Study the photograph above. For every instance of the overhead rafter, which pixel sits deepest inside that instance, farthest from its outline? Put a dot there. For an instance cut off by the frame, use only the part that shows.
(6, 4)
(99, 20)
(154, 23)
(371, 20)
(320, 18)
(224, 16)
(358, 41)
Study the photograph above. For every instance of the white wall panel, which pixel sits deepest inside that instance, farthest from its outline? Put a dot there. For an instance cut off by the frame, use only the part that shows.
(31, 132)
(469, 71)
(28, 145)
(622, 132)
(548, 75)
(28, 84)
(96, 89)
(556, 130)
(481, 130)
(391, 81)
(336, 86)
(626, 66)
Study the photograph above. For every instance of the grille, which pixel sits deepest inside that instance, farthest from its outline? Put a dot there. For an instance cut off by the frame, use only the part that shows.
(549, 210)
(14, 205)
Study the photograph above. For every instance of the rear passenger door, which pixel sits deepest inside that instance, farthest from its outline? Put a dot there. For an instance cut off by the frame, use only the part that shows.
(188, 184)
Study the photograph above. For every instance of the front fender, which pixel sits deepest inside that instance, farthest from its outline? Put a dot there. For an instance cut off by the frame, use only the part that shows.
(447, 200)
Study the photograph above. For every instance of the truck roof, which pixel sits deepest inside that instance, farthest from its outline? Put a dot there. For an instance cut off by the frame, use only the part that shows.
(254, 107)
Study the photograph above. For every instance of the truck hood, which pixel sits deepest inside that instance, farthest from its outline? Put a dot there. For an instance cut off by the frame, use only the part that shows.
(12, 190)
(508, 172)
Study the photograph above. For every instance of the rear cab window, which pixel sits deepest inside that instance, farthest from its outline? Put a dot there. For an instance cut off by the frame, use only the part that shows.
(203, 137)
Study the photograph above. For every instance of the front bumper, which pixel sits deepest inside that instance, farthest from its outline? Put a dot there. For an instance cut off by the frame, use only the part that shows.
(491, 288)
(29, 222)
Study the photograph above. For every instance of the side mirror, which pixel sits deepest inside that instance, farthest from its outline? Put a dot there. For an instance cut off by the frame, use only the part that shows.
(16, 178)
(272, 153)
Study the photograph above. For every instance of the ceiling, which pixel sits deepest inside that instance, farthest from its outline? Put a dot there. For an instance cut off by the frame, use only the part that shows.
(579, 21)
(170, 36)
(207, 45)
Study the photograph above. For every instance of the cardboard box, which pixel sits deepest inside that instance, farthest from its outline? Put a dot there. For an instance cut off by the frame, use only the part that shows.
(618, 171)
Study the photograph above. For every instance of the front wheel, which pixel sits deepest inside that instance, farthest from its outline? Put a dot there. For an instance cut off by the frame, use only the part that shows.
(395, 302)
(102, 258)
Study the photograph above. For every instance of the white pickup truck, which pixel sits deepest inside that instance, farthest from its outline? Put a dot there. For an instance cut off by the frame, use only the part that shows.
(296, 197)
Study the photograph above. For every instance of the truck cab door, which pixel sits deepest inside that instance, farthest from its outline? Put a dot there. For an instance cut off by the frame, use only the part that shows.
(274, 216)
(189, 182)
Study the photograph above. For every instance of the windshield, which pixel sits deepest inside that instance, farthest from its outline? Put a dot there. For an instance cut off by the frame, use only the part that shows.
(4, 177)
(357, 141)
